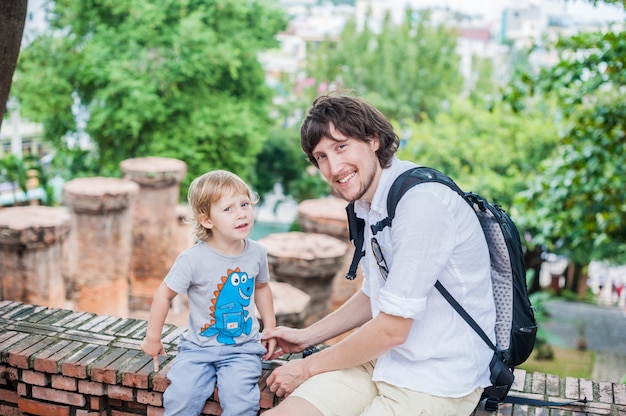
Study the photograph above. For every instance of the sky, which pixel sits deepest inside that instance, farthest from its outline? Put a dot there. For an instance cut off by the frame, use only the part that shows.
(579, 9)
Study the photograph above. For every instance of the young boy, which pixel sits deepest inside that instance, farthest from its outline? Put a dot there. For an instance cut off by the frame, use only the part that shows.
(224, 275)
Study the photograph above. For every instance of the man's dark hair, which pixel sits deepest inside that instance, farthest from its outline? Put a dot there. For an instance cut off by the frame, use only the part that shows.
(353, 117)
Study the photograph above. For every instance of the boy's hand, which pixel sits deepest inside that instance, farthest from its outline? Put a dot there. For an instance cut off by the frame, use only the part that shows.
(270, 345)
(153, 349)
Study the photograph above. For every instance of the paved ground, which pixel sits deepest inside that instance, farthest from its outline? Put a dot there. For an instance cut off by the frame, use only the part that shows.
(604, 328)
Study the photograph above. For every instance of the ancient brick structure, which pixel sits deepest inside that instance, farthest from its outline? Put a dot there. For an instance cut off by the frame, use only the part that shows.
(31, 240)
(324, 216)
(100, 243)
(307, 261)
(55, 362)
(154, 229)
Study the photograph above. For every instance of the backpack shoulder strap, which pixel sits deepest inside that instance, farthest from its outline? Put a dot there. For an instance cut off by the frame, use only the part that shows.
(356, 229)
(404, 182)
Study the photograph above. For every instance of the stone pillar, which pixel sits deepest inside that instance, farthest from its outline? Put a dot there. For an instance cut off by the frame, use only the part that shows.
(100, 244)
(324, 216)
(307, 261)
(154, 227)
(31, 239)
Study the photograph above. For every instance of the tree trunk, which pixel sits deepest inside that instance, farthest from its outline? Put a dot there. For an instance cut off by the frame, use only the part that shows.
(12, 20)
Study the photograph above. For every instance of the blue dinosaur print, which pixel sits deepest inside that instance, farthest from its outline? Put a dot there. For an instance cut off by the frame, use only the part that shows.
(230, 318)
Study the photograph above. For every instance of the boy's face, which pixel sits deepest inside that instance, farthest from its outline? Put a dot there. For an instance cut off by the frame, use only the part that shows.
(231, 217)
(349, 165)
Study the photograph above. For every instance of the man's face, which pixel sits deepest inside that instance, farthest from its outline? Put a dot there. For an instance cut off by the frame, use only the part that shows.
(349, 165)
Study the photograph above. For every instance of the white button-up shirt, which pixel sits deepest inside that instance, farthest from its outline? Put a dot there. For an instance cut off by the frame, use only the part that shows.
(435, 236)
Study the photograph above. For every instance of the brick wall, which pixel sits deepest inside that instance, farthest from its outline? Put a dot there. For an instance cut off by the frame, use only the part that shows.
(56, 362)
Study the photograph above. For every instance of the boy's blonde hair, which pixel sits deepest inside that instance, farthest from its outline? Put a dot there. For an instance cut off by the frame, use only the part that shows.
(207, 189)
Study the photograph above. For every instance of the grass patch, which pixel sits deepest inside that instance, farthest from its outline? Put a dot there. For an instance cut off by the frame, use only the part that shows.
(566, 363)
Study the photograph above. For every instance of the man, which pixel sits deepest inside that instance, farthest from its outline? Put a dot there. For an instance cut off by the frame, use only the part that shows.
(411, 353)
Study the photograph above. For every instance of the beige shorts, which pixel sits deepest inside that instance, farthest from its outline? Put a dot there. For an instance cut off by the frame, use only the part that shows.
(352, 392)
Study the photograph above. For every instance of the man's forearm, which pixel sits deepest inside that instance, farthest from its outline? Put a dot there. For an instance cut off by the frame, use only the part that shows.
(370, 341)
(352, 314)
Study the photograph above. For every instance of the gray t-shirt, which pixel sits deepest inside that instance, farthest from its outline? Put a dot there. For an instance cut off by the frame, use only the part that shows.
(220, 291)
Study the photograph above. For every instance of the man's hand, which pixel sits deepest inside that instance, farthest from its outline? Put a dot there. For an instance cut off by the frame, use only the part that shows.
(288, 339)
(284, 379)
(153, 348)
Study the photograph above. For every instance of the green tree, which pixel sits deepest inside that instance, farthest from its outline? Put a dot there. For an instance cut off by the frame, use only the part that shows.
(407, 70)
(577, 203)
(165, 78)
(492, 152)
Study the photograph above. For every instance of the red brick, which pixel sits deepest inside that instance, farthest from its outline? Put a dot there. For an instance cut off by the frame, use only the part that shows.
(8, 396)
(155, 411)
(122, 413)
(20, 355)
(9, 411)
(50, 359)
(9, 373)
(160, 382)
(152, 398)
(58, 396)
(212, 408)
(34, 407)
(36, 378)
(121, 393)
(132, 376)
(105, 369)
(91, 387)
(23, 389)
(77, 365)
(97, 403)
(64, 383)
(82, 412)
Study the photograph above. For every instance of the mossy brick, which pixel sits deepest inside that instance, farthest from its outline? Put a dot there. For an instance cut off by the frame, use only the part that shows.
(76, 365)
(106, 323)
(605, 392)
(23, 312)
(41, 314)
(132, 376)
(49, 360)
(159, 380)
(20, 355)
(74, 319)
(6, 304)
(33, 328)
(88, 337)
(55, 317)
(552, 385)
(172, 336)
(93, 322)
(9, 339)
(131, 344)
(619, 393)
(106, 368)
(538, 384)
(585, 389)
(126, 327)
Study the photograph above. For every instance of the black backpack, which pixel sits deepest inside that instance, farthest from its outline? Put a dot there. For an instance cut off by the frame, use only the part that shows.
(516, 329)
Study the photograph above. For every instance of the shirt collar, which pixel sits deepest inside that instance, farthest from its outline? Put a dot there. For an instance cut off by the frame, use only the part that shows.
(379, 202)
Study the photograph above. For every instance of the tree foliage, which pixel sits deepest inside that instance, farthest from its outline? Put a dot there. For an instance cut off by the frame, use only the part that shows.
(492, 152)
(165, 78)
(577, 203)
(407, 70)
